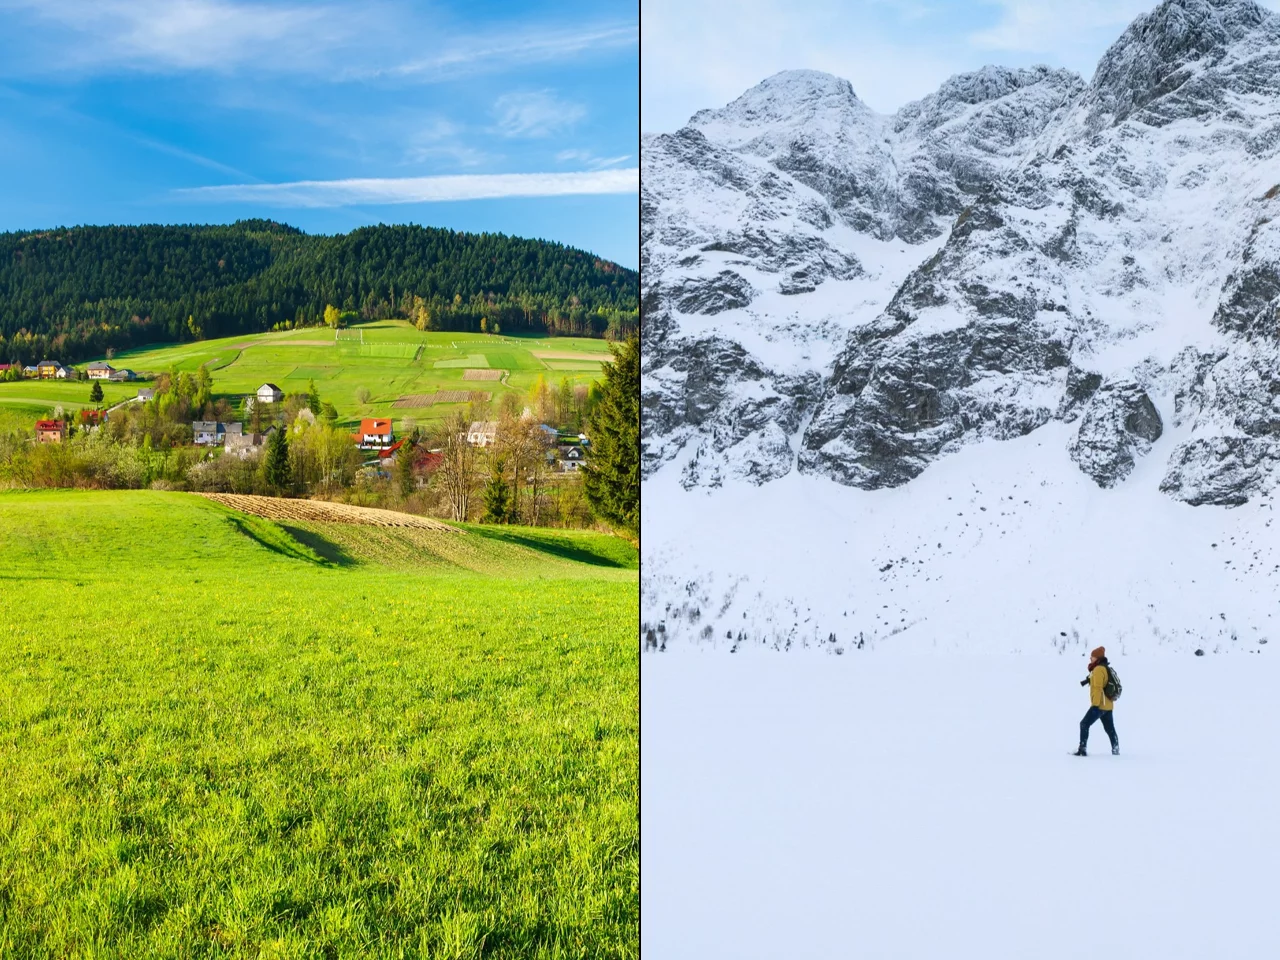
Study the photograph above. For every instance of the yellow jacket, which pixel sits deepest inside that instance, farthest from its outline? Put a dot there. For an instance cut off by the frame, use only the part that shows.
(1098, 680)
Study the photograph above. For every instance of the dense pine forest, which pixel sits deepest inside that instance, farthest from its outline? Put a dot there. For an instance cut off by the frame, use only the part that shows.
(73, 294)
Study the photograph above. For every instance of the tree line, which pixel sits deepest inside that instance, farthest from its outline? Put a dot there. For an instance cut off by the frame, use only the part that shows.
(78, 293)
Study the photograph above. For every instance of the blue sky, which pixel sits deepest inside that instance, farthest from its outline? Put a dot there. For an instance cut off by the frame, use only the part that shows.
(892, 51)
(501, 116)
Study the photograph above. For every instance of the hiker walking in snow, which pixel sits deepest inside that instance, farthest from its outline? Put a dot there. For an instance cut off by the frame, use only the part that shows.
(1104, 688)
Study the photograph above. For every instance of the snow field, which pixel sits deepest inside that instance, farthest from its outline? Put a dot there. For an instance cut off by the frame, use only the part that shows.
(897, 806)
(1001, 547)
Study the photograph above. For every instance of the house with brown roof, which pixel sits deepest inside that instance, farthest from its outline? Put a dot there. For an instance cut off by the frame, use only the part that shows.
(101, 370)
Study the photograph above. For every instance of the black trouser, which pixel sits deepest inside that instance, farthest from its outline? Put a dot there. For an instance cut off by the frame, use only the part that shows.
(1108, 724)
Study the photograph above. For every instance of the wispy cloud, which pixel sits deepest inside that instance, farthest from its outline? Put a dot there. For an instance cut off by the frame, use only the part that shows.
(342, 193)
(337, 40)
(516, 48)
(536, 113)
(589, 159)
(159, 35)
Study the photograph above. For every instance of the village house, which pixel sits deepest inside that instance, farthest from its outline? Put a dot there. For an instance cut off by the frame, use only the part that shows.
(119, 376)
(572, 457)
(211, 433)
(375, 434)
(51, 431)
(101, 370)
(483, 433)
(145, 394)
(241, 444)
(92, 419)
(30, 371)
(270, 393)
(49, 370)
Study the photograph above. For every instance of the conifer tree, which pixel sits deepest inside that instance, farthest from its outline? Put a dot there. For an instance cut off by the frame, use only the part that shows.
(275, 465)
(497, 495)
(612, 471)
(95, 392)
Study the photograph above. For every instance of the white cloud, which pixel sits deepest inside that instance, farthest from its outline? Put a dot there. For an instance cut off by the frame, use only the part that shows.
(589, 159)
(515, 48)
(341, 193)
(188, 34)
(535, 114)
(342, 39)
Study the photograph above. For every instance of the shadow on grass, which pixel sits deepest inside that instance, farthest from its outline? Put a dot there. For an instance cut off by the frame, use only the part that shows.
(327, 549)
(561, 547)
(288, 542)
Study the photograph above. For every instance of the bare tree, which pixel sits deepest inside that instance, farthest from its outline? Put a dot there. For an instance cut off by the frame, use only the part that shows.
(456, 475)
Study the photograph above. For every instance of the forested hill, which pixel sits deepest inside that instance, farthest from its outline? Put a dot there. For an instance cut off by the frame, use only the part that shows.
(69, 294)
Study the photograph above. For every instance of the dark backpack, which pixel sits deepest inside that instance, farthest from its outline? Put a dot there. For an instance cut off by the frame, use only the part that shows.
(1112, 689)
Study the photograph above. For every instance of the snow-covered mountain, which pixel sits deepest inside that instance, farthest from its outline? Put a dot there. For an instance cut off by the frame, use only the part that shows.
(1076, 286)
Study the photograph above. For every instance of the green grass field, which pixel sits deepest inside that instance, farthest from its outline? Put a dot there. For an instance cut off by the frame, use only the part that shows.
(223, 737)
(394, 360)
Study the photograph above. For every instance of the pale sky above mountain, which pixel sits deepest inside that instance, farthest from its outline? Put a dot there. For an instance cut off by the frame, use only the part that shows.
(893, 51)
(519, 117)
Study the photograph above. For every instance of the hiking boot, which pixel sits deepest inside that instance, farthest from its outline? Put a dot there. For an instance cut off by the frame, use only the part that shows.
(1115, 749)
(1080, 752)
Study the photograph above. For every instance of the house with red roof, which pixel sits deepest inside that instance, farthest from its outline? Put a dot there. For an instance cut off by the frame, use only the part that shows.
(51, 431)
(375, 434)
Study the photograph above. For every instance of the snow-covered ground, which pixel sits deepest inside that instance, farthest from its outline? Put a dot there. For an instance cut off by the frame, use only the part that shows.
(882, 805)
(1002, 547)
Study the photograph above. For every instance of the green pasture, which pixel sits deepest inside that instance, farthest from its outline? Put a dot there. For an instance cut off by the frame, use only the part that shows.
(226, 737)
(394, 360)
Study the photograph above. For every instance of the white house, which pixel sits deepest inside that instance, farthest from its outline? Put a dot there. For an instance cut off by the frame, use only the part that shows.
(100, 370)
(270, 393)
(375, 434)
(571, 457)
(482, 433)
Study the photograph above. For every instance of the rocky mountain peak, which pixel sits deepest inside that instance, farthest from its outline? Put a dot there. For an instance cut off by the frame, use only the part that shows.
(789, 100)
(1164, 49)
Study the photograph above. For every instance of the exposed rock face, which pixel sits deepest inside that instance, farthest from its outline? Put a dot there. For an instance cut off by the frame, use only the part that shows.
(860, 295)
(1119, 424)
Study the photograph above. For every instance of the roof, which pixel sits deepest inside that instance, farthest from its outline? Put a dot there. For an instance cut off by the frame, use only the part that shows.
(270, 386)
(204, 426)
(146, 393)
(391, 449)
(375, 427)
(99, 365)
(233, 429)
(484, 426)
(48, 363)
(49, 424)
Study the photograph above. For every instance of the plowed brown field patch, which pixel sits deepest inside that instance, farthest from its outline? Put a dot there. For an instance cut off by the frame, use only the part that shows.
(278, 508)
(563, 355)
(482, 374)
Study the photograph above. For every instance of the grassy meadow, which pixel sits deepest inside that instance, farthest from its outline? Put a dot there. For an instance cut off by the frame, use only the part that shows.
(394, 360)
(226, 737)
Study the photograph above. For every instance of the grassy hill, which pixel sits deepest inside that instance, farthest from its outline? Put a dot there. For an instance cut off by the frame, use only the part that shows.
(392, 359)
(227, 737)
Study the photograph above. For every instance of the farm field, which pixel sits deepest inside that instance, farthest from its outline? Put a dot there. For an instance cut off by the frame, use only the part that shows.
(391, 360)
(228, 736)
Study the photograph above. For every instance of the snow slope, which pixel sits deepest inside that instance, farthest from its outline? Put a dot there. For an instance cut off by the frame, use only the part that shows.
(1001, 368)
(885, 806)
